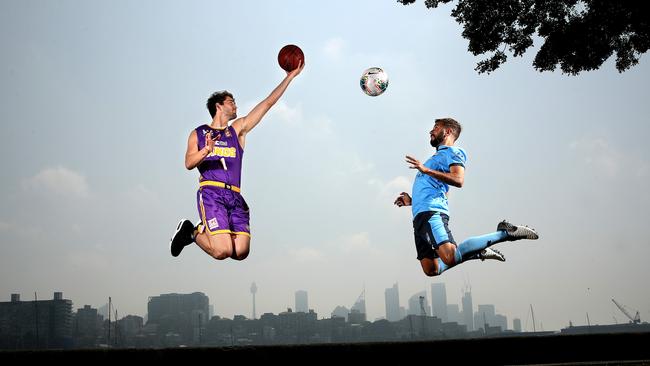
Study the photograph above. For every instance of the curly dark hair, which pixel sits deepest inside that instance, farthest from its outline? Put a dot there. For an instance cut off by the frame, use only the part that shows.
(216, 97)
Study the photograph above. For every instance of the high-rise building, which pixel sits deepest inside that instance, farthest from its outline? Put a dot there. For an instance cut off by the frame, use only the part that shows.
(253, 292)
(356, 317)
(468, 312)
(453, 313)
(360, 304)
(183, 314)
(516, 324)
(86, 327)
(501, 321)
(302, 303)
(439, 301)
(485, 314)
(391, 296)
(130, 326)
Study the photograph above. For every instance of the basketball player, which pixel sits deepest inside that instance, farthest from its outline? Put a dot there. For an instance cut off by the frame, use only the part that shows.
(436, 248)
(216, 150)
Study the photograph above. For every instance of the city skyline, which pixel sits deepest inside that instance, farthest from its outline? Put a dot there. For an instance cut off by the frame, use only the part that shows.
(181, 320)
(410, 309)
(99, 97)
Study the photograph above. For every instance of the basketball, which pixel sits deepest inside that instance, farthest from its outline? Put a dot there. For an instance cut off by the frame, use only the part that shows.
(289, 57)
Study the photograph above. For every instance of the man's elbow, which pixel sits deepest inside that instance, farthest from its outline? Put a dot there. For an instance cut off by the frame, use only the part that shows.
(459, 183)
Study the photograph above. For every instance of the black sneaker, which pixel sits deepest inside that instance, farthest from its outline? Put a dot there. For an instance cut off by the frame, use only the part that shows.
(182, 237)
(516, 232)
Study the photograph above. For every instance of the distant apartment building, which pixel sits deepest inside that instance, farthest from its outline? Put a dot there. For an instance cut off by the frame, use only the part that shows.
(36, 323)
(130, 326)
(296, 327)
(87, 327)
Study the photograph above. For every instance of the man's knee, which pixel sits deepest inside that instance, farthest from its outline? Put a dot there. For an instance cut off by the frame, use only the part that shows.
(220, 254)
(450, 261)
(448, 254)
(239, 256)
(431, 272)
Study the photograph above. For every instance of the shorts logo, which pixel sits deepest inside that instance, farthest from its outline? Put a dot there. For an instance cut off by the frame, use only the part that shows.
(212, 223)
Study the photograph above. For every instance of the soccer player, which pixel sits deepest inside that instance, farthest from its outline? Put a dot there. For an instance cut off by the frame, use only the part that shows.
(436, 249)
(216, 150)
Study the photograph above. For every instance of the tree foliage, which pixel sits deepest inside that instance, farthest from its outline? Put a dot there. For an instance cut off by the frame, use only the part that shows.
(578, 35)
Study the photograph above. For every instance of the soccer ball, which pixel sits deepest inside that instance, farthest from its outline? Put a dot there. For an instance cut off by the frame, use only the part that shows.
(374, 81)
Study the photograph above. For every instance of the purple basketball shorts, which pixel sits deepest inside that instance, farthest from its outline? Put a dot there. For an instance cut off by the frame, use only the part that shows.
(223, 211)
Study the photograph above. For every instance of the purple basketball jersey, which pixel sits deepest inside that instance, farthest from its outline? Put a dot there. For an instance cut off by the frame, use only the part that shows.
(226, 151)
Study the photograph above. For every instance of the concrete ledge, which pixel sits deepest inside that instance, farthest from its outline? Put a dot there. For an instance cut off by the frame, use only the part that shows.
(622, 347)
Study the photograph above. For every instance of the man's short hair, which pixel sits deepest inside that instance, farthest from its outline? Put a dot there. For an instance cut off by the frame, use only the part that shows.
(216, 97)
(450, 123)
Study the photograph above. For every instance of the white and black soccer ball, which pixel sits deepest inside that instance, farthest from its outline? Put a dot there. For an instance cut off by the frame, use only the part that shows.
(374, 81)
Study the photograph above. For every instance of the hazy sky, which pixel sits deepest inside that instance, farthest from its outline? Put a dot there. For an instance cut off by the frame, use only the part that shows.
(98, 99)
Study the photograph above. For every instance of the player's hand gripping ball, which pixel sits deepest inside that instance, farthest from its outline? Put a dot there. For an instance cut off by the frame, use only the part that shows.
(290, 56)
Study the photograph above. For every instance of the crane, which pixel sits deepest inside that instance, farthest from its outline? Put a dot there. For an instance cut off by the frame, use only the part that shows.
(636, 319)
(422, 311)
(532, 313)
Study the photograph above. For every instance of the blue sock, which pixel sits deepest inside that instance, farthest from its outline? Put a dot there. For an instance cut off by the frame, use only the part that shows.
(468, 248)
(442, 266)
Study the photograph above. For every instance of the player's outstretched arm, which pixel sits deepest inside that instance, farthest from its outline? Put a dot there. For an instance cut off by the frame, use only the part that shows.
(247, 123)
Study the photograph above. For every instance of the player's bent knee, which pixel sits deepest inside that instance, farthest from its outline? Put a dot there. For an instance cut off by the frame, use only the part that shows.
(220, 254)
(240, 256)
(430, 272)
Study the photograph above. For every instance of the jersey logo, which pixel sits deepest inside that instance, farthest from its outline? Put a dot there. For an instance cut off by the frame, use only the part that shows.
(212, 223)
(226, 152)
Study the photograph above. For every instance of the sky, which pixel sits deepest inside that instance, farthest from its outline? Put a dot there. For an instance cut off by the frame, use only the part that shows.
(98, 99)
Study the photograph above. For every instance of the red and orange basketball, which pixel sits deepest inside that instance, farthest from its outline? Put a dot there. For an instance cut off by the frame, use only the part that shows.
(289, 57)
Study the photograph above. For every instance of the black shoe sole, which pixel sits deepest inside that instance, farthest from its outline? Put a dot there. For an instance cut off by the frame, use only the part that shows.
(181, 238)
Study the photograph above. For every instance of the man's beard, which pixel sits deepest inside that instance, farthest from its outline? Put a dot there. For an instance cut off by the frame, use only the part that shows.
(437, 140)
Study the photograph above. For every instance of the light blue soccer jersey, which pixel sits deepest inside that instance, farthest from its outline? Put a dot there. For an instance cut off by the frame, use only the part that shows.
(430, 194)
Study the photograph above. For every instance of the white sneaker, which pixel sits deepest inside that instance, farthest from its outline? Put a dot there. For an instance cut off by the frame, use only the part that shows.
(516, 232)
(489, 253)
